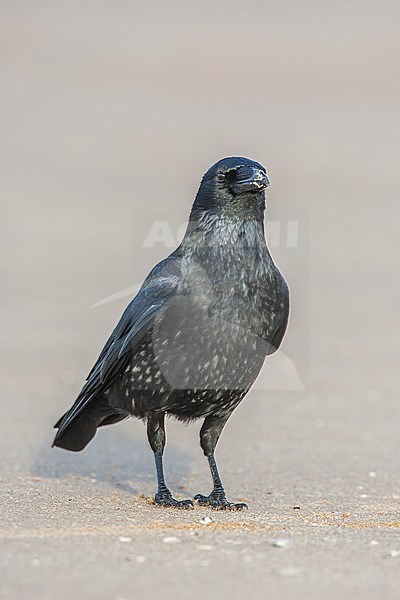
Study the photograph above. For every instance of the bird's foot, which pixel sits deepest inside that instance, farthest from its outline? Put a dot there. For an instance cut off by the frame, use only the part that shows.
(166, 499)
(218, 501)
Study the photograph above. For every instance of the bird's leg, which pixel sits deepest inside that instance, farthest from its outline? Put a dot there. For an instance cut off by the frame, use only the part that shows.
(209, 434)
(156, 436)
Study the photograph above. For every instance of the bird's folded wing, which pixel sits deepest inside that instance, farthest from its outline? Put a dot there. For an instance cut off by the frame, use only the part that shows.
(278, 318)
(163, 283)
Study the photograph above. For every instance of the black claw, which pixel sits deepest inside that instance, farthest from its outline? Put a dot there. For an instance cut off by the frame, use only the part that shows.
(219, 502)
(168, 500)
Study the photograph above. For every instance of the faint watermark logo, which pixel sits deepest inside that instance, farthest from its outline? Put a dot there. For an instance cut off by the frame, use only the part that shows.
(156, 233)
(163, 233)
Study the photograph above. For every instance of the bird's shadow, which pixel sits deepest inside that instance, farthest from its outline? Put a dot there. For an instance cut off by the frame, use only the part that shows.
(119, 456)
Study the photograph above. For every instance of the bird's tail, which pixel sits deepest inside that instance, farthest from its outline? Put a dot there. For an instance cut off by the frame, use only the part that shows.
(82, 428)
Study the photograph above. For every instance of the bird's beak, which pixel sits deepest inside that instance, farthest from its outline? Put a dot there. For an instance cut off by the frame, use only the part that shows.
(257, 181)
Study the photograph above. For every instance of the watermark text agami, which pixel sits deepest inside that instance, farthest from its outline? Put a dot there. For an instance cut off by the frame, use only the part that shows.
(279, 234)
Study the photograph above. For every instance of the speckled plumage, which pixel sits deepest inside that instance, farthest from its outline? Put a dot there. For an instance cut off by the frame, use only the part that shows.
(194, 339)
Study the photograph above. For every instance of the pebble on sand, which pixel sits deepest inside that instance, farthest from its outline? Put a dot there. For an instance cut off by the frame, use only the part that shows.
(171, 539)
(206, 520)
(141, 559)
(283, 543)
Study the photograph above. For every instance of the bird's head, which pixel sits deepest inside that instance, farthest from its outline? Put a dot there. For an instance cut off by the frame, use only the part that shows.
(233, 186)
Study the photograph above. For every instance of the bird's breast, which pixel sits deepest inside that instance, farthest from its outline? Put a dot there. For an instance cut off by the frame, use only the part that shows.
(210, 338)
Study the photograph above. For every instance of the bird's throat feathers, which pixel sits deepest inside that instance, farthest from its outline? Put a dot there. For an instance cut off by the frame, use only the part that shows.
(210, 232)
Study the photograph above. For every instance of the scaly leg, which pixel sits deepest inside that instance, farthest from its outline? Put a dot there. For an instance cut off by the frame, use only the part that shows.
(209, 435)
(156, 436)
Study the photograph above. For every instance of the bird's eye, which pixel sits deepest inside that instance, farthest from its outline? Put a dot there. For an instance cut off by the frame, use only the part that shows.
(221, 177)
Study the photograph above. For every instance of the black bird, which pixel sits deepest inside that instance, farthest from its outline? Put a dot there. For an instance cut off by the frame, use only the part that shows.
(193, 340)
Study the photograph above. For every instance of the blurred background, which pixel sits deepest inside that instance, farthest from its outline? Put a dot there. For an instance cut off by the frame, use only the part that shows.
(112, 112)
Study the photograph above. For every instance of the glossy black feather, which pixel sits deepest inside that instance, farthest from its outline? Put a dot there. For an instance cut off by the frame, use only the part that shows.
(135, 322)
(194, 339)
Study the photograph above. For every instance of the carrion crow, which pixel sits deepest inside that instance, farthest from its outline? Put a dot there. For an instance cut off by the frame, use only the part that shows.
(194, 339)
